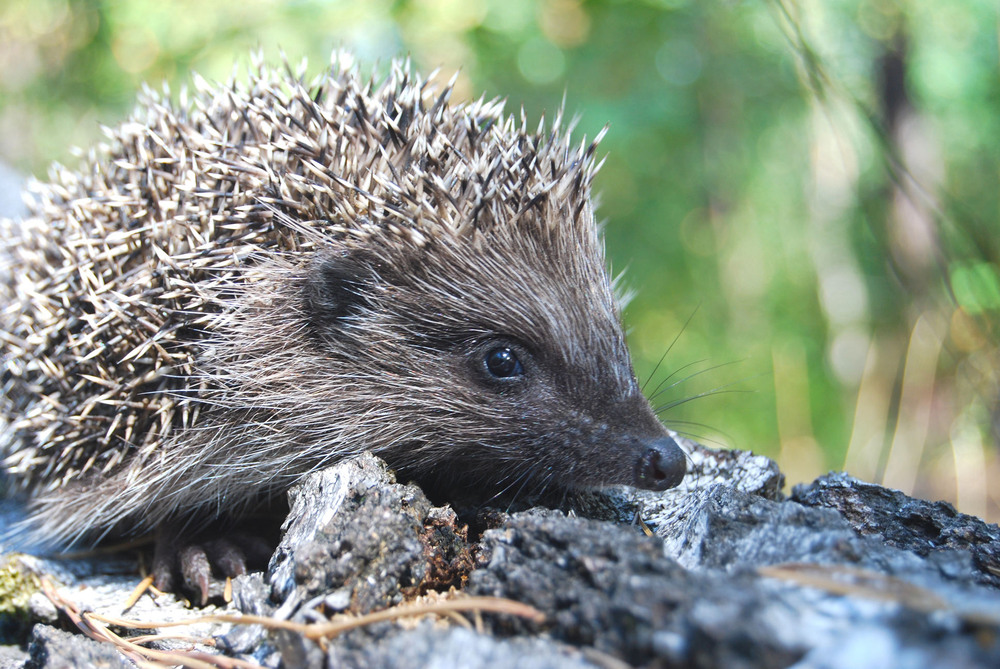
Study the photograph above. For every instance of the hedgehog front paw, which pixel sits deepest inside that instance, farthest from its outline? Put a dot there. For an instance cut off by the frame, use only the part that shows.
(197, 559)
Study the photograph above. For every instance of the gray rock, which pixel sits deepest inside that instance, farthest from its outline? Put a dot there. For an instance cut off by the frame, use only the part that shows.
(843, 574)
(355, 539)
(100, 583)
(331, 534)
(52, 648)
(251, 595)
(963, 546)
(12, 657)
(729, 530)
(434, 648)
(611, 588)
(669, 513)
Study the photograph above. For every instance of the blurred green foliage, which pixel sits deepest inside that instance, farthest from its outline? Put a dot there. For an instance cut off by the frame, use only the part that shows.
(813, 184)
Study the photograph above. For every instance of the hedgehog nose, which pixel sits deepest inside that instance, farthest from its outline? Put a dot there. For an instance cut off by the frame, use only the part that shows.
(661, 466)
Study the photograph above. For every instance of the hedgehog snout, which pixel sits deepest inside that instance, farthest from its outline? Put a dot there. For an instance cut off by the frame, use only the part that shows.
(661, 465)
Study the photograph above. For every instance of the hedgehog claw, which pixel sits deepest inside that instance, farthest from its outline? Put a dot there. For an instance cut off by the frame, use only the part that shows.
(197, 570)
(227, 557)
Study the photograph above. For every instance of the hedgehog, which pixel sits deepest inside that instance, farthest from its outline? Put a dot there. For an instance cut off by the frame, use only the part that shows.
(261, 279)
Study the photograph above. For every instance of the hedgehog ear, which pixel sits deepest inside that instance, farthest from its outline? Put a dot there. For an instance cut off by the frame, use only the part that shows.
(336, 285)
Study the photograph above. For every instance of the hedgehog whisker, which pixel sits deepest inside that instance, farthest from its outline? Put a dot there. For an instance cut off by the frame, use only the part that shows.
(708, 393)
(669, 348)
(692, 375)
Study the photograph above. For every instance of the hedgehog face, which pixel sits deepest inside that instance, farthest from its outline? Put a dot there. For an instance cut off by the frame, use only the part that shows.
(573, 431)
(497, 380)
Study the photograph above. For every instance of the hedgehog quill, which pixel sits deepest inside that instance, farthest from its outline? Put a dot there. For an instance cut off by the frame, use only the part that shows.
(264, 279)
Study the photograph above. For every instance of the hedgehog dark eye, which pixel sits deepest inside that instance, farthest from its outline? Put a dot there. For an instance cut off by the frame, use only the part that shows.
(503, 363)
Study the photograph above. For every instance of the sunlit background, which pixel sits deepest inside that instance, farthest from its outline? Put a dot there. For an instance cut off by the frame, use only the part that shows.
(812, 186)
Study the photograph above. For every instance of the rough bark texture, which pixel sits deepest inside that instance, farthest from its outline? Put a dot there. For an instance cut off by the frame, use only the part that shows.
(730, 574)
(966, 548)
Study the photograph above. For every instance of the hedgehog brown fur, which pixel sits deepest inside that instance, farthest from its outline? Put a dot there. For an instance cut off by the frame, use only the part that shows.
(265, 279)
